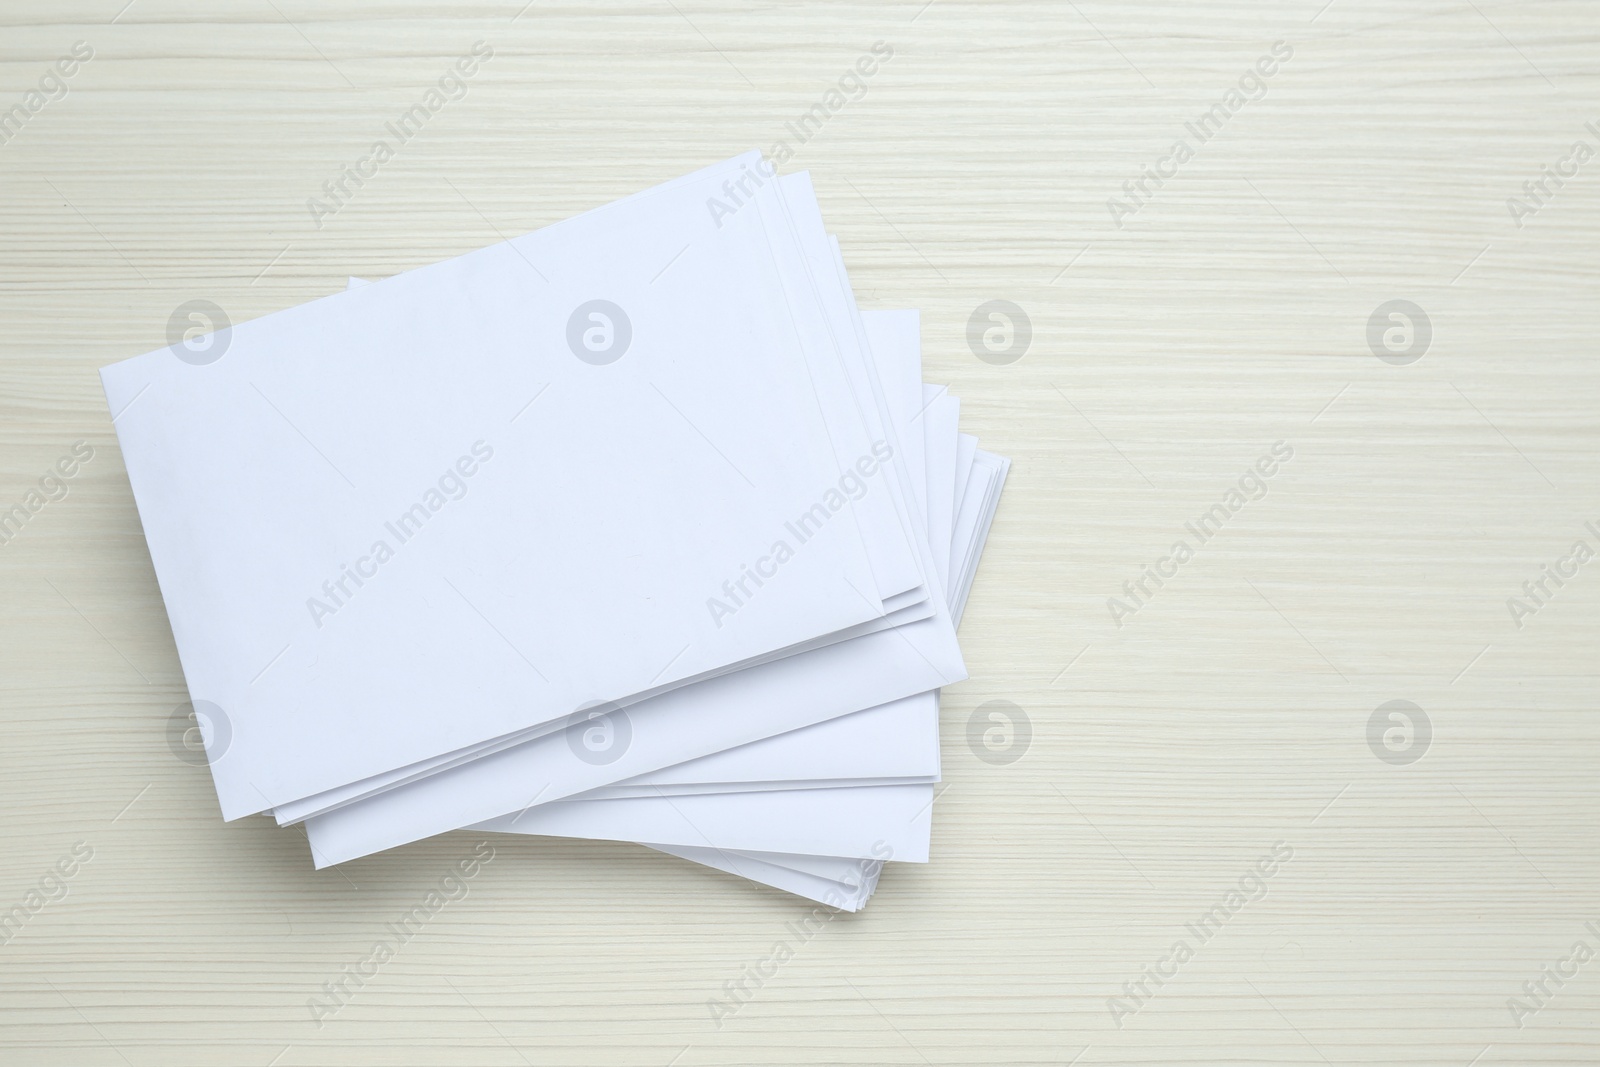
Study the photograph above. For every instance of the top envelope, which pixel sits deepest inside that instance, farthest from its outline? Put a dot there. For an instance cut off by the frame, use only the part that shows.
(584, 465)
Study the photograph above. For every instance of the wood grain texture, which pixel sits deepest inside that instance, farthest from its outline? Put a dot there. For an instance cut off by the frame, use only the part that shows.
(1229, 712)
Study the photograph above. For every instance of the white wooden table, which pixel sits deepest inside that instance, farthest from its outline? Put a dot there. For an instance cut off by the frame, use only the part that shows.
(1177, 335)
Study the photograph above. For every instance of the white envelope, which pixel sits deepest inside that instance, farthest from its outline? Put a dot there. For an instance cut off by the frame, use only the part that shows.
(793, 874)
(842, 375)
(422, 414)
(978, 508)
(889, 822)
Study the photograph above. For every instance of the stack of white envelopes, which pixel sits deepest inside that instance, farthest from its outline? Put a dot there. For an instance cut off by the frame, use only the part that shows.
(634, 528)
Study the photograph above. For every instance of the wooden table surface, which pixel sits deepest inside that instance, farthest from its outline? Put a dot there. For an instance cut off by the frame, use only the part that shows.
(1432, 868)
